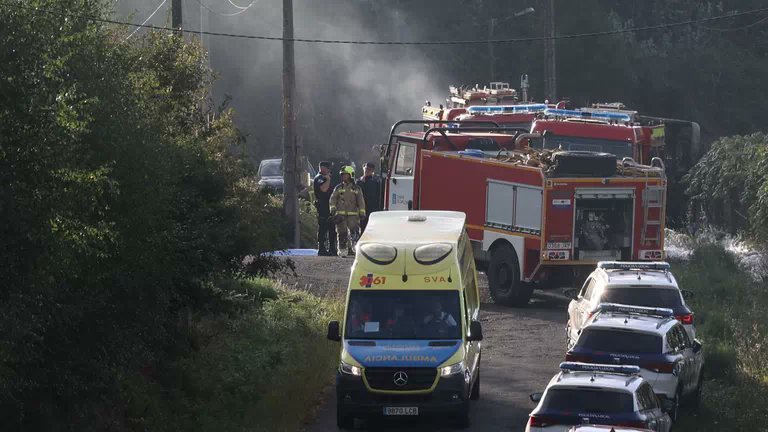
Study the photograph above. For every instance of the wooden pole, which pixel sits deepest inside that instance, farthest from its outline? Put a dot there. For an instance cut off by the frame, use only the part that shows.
(290, 156)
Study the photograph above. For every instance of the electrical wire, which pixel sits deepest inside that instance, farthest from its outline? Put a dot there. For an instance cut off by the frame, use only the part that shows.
(762, 20)
(146, 20)
(361, 42)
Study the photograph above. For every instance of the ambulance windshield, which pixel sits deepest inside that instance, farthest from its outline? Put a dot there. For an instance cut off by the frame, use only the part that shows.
(427, 314)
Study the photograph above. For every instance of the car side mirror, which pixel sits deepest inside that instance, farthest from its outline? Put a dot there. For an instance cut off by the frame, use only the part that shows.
(536, 397)
(697, 346)
(687, 294)
(571, 293)
(333, 331)
(667, 405)
(475, 331)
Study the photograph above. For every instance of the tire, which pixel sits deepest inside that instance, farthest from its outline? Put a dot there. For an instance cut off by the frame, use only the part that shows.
(462, 420)
(675, 413)
(583, 163)
(344, 421)
(475, 393)
(504, 278)
(695, 400)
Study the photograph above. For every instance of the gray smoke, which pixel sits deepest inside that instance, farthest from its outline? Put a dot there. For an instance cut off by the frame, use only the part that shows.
(348, 95)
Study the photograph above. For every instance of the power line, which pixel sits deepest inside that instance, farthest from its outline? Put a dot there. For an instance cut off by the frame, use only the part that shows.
(242, 9)
(736, 28)
(146, 20)
(360, 42)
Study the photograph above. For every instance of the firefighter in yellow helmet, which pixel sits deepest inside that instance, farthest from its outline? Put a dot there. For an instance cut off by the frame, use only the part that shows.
(347, 207)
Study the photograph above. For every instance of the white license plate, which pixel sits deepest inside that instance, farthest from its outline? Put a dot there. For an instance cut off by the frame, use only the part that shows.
(401, 411)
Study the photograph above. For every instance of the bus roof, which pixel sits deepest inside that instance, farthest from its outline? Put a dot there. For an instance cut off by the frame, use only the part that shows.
(414, 227)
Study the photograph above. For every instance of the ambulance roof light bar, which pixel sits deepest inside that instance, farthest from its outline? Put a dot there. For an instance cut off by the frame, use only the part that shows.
(621, 117)
(604, 368)
(635, 310)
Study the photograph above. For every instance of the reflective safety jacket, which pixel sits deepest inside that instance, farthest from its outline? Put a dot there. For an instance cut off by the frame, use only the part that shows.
(347, 200)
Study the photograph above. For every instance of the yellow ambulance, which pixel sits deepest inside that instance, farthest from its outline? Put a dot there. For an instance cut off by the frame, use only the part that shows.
(411, 334)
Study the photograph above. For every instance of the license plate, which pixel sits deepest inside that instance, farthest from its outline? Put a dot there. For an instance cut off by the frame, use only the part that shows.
(401, 411)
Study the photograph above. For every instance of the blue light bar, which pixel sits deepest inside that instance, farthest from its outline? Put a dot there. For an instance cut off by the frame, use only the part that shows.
(587, 367)
(505, 109)
(633, 265)
(588, 114)
(637, 310)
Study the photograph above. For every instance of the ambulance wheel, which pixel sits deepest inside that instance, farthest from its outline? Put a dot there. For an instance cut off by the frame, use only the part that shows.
(344, 421)
(504, 278)
(475, 394)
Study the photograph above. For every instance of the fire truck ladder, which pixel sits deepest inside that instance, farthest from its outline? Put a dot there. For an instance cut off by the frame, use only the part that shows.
(647, 205)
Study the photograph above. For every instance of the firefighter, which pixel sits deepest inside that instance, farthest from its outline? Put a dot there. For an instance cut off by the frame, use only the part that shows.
(371, 187)
(347, 207)
(326, 231)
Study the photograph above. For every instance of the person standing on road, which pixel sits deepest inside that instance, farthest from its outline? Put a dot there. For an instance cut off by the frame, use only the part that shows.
(347, 207)
(326, 231)
(371, 186)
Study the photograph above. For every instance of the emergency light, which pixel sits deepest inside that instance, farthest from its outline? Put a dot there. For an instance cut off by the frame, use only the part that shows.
(587, 114)
(619, 265)
(638, 310)
(378, 253)
(499, 109)
(588, 367)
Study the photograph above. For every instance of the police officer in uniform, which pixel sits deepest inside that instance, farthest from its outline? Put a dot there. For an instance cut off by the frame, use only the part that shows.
(326, 231)
(370, 183)
(347, 207)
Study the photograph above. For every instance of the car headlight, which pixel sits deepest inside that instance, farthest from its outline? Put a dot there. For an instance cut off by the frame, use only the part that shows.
(348, 369)
(452, 369)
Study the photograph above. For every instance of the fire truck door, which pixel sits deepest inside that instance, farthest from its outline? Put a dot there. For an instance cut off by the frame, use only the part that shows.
(401, 181)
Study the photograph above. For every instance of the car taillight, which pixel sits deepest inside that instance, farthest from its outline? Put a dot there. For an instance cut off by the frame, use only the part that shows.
(540, 421)
(659, 367)
(685, 319)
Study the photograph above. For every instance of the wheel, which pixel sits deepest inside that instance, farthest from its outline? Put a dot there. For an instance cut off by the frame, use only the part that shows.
(504, 278)
(344, 421)
(675, 413)
(696, 396)
(462, 420)
(475, 394)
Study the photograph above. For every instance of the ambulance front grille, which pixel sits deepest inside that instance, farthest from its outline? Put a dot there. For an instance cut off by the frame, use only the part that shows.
(380, 378)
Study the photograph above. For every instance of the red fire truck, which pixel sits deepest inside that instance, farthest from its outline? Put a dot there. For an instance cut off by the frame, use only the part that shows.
(535, 217)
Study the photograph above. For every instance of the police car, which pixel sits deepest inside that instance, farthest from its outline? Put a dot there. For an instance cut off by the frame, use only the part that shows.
(601, 394)
(648, 284)
(650, 338)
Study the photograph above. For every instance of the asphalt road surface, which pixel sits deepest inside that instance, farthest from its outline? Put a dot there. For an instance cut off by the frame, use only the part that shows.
(521, 351)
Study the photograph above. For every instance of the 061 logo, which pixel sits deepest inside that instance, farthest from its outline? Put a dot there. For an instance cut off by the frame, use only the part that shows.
(369, 280)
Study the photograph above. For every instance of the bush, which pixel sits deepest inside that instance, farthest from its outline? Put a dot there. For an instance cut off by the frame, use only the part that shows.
(121, 203)
(262, 370)
(729, 307)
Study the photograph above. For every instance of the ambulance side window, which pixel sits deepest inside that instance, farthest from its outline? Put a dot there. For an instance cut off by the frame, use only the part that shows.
(406, 159)
(468, 274)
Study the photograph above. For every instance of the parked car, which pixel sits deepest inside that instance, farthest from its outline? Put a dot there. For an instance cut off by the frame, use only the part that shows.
(647, 284)
(271, 174)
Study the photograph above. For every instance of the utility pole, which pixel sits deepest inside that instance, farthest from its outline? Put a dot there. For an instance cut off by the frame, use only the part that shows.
(491, 52)
(176, 14)
(290, 156)
(550, 83)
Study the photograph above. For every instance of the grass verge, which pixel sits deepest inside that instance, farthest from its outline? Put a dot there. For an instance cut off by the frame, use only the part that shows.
(258, 370)
(730, 313)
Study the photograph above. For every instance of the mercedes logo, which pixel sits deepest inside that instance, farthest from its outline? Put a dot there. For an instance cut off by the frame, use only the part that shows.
(400, 378)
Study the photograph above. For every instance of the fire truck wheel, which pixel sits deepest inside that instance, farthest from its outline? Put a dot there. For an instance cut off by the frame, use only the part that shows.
(504, 278)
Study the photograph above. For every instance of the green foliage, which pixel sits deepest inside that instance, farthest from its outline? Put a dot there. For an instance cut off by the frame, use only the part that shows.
(121, 201)
(730, 309)
(259, 371)
(729, 185)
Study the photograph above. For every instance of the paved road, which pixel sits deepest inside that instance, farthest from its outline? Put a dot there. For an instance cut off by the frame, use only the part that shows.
(521, 351)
